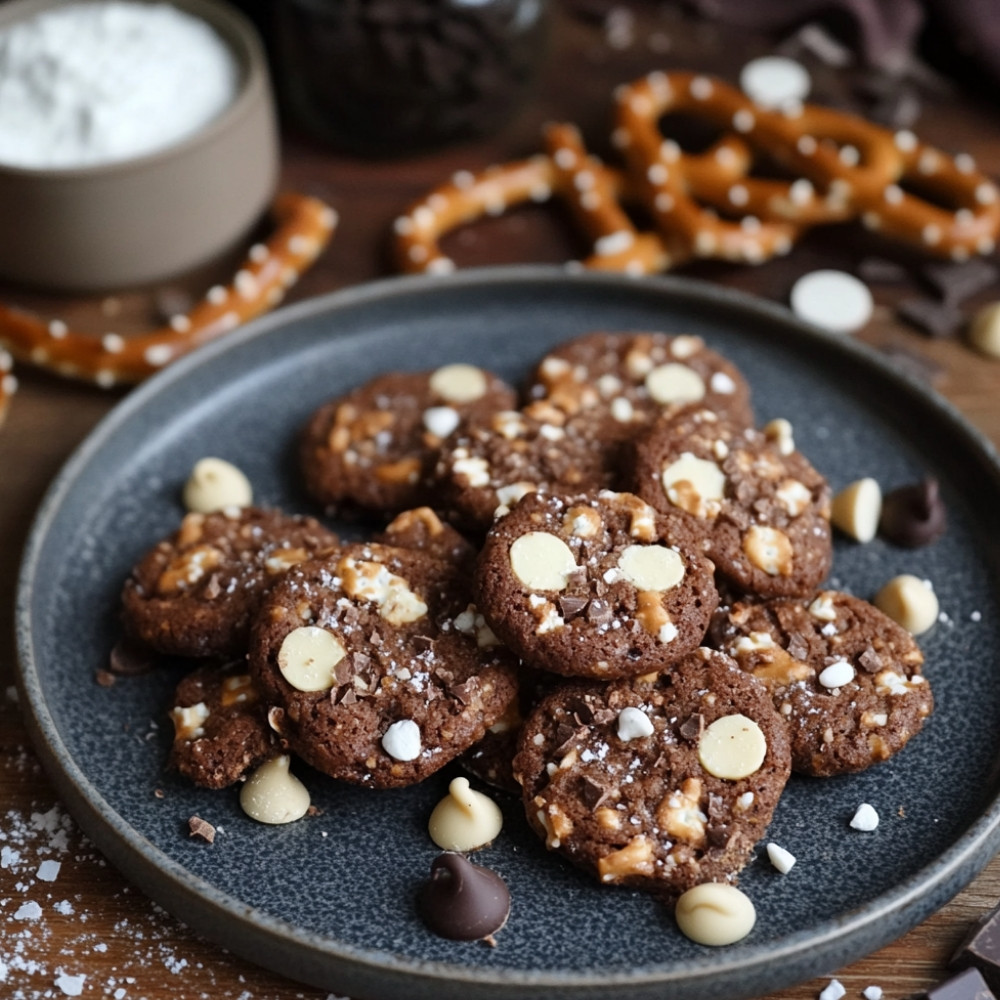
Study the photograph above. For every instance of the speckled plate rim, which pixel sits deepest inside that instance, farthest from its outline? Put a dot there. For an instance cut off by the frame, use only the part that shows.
(315, 959)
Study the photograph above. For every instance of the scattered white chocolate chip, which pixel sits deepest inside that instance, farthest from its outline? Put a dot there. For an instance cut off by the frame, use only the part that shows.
(459, 383)
(732, 747)
(464, 819)
(307, 658)
(651, 567)
(780, 858)
(541, 561)
(673, 383)
(402, 740)
(910, 602)
(633, 723)
(837, 674)
(984, 330)
(856, 509)
(696, 485)
(715, 913)
(833, 300)
(834, 990)
(272, 794)
(215, 483)
(775, 82)
(865, 818)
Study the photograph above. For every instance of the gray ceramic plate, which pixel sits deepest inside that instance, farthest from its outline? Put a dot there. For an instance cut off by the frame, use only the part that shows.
(329, 900)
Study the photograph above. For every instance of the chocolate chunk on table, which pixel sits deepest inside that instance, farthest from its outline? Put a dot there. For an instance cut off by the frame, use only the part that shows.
(957, 282)
(967, 985)
(980, 949)
(936, 319)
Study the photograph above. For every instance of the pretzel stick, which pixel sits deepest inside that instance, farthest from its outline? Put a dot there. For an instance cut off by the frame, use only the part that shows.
(304, 225)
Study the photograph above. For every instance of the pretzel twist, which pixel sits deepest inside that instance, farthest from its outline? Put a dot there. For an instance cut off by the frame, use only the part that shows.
(711, 204)
(847, 168)
(303, 227)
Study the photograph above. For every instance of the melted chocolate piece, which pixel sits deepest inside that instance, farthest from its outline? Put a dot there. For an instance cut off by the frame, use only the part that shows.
(914, 515)
(463, 901)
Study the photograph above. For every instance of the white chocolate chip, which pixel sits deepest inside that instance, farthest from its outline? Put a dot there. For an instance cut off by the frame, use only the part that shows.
(866, 818)
(715, 913)
(674, 383)
(272, 794)
(464, 819)
(822, 607)
(775, 82)
(633, 723)
(541, 561)
(857, 508)
(215, 483)
(732, 747)
(794, 496)
(441, 420)
(307, 658)
(780, 858)
(833, 300)
(459, 383)
(984, 330)
(837, 674)
(910, 602)
(651, 567)
(694, 484)
(402, 740)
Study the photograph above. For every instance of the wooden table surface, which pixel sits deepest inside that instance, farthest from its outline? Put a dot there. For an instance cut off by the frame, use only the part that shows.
(89, 922)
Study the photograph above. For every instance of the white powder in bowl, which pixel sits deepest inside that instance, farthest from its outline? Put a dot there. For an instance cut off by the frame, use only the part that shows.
(93, 83)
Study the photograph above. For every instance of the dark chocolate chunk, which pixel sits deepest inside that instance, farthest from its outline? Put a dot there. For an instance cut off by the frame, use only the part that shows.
(571, 606)
(881, 271)
(897, 109)
(201, 828)
(913, 515)
(691, 728)
(870, 661)
(936, 319)
(981, 949)
(592, 793)
(129, 657)
(798, 648)
(967, 985)
(957, 282)
(463, 901)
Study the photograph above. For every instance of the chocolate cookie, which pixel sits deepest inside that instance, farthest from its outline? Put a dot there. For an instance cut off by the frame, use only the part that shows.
(764, 508)
(491, 463)
(595, 586)
(633, 378)
(660, 782)
(845, 677)
(220, 726)
(372, 447)
(422, 529)
(378, 670)
(194, 593)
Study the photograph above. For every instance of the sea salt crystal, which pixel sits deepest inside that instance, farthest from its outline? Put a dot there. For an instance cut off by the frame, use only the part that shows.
(834, 991)
(28, 911)
(71, 986)
(48, 871)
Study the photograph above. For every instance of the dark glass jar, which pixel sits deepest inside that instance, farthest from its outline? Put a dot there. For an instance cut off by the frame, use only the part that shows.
(389, 77)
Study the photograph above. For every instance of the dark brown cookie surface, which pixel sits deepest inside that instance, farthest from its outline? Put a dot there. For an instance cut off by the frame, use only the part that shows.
(193, 594)
(661, 782)
(372, 447)
(376, 665)
(595, 586)
(490, 464)
(633, 378)
(220, 726)
(845, 677)
(763, 506)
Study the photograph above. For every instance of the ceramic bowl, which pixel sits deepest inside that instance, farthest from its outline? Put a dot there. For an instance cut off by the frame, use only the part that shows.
(150, 218)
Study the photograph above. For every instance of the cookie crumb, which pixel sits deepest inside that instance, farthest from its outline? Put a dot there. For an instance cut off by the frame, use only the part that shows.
(201, 828)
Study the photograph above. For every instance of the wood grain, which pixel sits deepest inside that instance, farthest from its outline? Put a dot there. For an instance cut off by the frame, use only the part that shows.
(91, 922)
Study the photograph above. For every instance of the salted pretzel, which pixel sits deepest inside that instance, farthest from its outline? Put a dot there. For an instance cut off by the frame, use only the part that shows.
(710, 205)
(303, 226)
(846, 168)
(592, 191)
